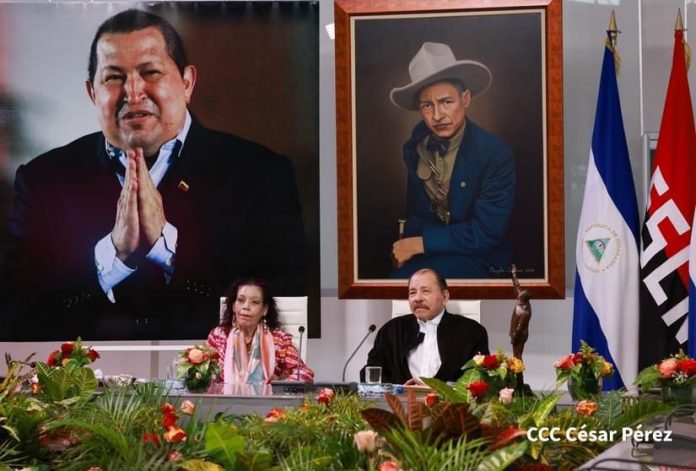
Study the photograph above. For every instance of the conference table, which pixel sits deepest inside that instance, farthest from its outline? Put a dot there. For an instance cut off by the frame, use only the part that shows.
(259, 399)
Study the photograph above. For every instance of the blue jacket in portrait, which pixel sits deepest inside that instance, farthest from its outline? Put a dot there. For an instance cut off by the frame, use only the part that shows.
(481, 197)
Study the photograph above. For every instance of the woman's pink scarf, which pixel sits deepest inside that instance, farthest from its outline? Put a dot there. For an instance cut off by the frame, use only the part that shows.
(238, 366)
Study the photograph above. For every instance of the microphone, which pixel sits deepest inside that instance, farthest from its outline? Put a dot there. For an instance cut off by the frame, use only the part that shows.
(301, 329)
(369, 331)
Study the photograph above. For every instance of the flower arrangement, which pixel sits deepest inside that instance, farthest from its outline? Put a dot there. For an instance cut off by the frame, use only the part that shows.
(583, 371)
(485, 376)
(678, 373)
(198, 366)
(72, 353)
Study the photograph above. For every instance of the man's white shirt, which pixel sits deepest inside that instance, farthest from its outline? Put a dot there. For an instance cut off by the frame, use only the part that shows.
(424, 360)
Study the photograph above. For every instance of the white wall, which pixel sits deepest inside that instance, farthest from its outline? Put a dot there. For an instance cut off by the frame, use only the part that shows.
(645, 46)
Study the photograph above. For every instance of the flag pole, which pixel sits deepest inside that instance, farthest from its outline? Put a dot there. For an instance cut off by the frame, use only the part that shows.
(679, 26)
(611, 40)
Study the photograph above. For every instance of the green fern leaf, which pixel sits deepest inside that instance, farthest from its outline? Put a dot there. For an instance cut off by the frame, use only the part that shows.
(502, 458)
(223, 443)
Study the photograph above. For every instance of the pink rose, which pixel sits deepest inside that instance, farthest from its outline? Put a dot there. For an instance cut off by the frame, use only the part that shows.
(188, 407)
(667, 367)
(389, 465)
(365, 441)
(174, 455)
(505, 395)
(197, 356)
(325, 396)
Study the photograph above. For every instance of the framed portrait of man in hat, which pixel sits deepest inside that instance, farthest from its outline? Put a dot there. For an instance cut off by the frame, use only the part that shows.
(449, 146)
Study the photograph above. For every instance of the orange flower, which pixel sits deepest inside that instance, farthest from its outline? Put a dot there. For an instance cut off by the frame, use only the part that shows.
(174, 435)
(35, 388)
(275, 414)
(586, 407)
(516, 365)
(196, 356)
(607, 369)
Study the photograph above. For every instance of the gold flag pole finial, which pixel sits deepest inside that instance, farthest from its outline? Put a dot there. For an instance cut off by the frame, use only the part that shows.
(679, 26)
(612, 35)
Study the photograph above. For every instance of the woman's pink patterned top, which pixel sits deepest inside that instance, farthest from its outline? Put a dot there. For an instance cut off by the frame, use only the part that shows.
(288, 361)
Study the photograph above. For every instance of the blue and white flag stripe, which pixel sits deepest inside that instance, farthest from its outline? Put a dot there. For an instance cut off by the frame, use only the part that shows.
(606, 286)
(692, 290)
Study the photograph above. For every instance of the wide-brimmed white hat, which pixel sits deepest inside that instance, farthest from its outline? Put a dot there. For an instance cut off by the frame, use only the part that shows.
(435, 62)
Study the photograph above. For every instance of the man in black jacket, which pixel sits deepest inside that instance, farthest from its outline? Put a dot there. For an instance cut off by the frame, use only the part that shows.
(133, 232)
(430, 342)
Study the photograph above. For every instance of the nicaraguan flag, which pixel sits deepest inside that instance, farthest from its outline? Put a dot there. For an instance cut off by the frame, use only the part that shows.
(606, 283)
(692, 291)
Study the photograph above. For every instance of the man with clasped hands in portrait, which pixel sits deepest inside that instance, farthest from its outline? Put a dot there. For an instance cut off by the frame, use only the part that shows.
(430, 342)
(134, 231)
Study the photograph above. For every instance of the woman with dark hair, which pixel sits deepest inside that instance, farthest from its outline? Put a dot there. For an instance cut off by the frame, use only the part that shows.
(252, 347)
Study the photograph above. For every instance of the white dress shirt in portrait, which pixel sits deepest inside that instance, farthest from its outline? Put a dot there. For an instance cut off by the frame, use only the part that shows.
(424, 360)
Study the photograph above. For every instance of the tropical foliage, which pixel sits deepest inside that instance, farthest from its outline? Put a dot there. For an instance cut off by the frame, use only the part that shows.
(69, 423)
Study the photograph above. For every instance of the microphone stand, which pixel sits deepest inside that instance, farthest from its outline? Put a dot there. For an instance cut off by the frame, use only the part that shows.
(301, 329)
(369, 331)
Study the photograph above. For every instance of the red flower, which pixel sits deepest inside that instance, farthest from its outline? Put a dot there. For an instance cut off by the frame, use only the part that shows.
(687, 366)
(431, 399)
(478, 388)
(53, 358)
(168, 420)
(151, 437)
(92, 355)
(490, 362)
(325, 396)
(167, 408)
(67, 348)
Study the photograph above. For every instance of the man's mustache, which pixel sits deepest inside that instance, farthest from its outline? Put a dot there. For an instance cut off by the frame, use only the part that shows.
(145, 108)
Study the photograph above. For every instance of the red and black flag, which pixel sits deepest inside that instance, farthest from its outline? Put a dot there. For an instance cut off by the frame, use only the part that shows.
(664, 296)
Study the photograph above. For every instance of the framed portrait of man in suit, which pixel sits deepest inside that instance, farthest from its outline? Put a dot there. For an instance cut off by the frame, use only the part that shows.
(228, 186)
(450, 145)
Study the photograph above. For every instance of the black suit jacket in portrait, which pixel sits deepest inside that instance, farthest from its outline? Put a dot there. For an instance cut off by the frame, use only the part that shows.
(240, 216)
(458, 340)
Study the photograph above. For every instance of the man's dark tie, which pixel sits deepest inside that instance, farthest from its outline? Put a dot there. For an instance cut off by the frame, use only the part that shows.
(437, 144)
